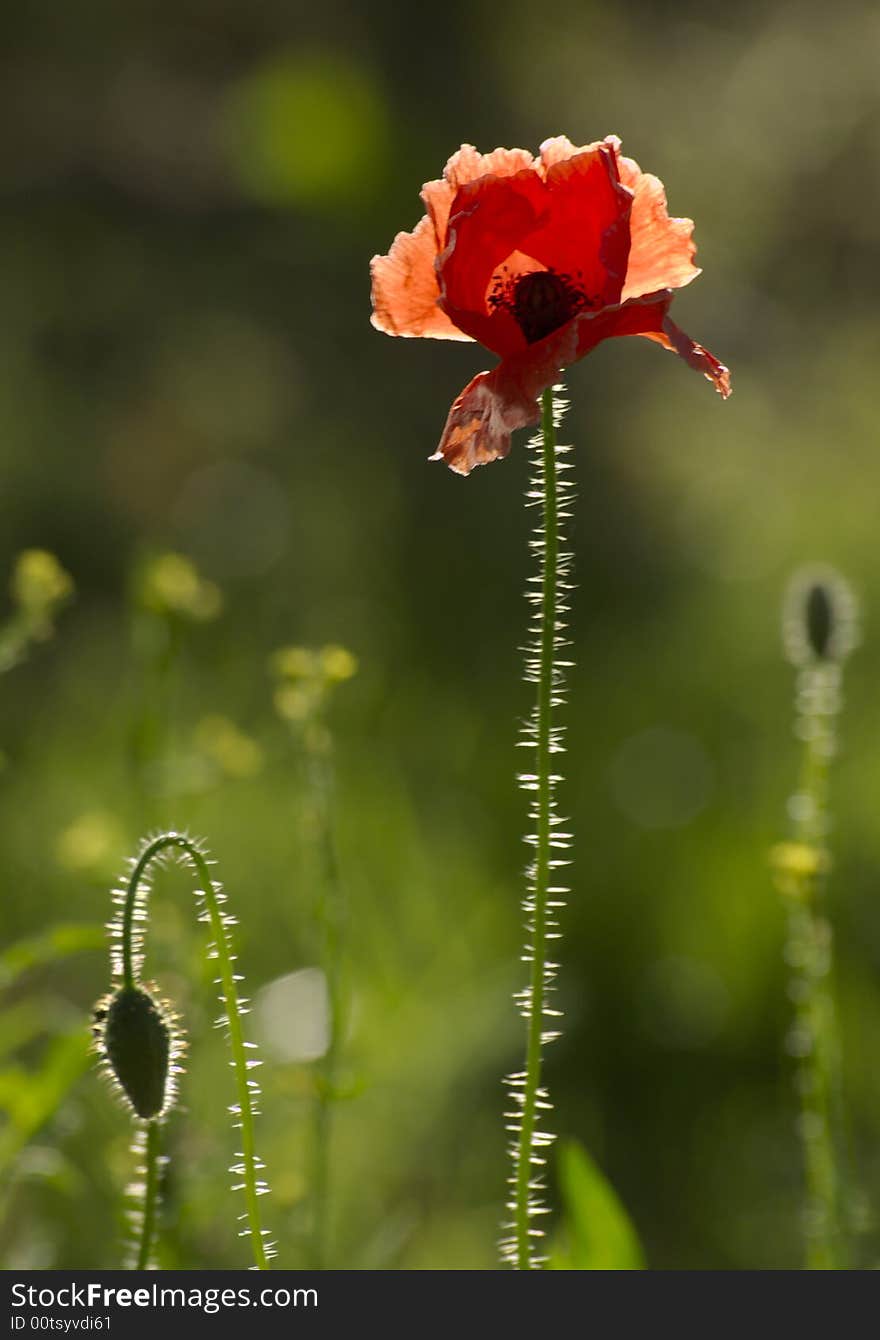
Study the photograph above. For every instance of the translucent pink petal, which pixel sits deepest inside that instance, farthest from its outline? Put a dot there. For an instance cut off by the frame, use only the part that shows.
(661, 249)
(405, 291)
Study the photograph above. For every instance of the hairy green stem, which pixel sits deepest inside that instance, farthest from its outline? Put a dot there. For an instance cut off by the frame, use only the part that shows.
(151, 1150)
(251, 1183)
(542, 735)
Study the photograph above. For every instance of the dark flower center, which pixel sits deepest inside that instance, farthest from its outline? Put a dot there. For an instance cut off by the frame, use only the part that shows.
(540, 302)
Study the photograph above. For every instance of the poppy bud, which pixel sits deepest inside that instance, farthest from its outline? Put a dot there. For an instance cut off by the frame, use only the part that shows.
(819, 622)
(819, 613)
(136, 1037)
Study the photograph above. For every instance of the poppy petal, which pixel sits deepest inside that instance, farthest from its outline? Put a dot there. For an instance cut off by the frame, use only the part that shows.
(649, 316)
(662, 250)
(559, 148)
(405, 291)
(674, 338)
(587, 231)
(495, 403)
(479, 425)
(467, 164)
(488, 220)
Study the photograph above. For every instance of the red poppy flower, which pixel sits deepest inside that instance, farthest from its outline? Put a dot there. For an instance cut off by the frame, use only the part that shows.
(539, 259)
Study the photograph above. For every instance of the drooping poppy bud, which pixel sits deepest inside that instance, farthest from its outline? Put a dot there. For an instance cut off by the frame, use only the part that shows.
(137, 1039)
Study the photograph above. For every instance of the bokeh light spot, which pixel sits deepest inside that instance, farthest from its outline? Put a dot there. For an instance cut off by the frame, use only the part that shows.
(662, 778)
(684, 1003)
(293, 1016)
(307, 129)
(235, 518)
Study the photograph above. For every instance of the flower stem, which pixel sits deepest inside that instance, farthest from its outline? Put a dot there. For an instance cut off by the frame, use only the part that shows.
(810, 951)
(149, 1144)
(545, 671)
(330, 915)
(133, 909)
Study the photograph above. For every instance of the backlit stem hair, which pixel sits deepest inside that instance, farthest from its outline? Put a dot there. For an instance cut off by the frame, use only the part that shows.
(544, 897)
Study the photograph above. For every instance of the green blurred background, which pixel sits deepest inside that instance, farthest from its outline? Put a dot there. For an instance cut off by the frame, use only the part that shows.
(191, 193)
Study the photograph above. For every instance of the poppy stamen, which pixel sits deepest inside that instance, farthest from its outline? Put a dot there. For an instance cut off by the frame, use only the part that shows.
(540, 302)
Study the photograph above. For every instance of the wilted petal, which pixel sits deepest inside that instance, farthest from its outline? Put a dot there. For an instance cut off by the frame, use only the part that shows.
(479, 425)
(649, 316)
(673, 337)
(496, 403)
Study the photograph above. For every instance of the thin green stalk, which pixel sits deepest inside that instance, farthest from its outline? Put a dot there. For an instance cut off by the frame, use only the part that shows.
(305, 680)
(820, 631)
(134, 910)
(813, 1040)
(149, 1145)
(542, 734)
(156, 648)
(330, 917)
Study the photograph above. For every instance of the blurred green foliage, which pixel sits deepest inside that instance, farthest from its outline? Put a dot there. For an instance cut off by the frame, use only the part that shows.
(596, 1232)
(39, 587)
(190, 197)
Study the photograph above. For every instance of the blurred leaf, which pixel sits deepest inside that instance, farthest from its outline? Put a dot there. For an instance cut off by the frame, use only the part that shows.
(51, 1167)
(58, 942)
(597, 1233)
(19, 1025)
(32, 1098)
